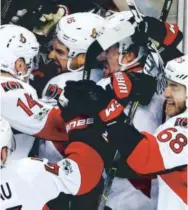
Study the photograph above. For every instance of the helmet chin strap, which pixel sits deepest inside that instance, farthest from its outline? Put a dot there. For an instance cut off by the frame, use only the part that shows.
(133, 63)
(129, 66)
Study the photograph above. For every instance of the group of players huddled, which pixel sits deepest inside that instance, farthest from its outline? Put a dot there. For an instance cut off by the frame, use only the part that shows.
(59, 133)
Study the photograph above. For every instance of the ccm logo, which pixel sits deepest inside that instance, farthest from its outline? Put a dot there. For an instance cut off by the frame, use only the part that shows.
(112, 108)
(78, 124)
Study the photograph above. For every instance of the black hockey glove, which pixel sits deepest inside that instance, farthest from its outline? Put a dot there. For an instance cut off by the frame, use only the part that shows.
(85, 129)
(162, 32)
(87, 98)
(90, 99)
(133, 87)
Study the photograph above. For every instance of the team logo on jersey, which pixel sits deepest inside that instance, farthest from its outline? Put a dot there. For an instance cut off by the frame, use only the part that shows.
(22, 38)
(53, 91)
(182, 122)
(11, 85)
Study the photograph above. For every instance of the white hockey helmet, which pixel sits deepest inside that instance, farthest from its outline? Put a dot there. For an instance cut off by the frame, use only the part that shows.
(126, 22)
(17, 42)
(6, 136)
(177, 70)
(77, 32)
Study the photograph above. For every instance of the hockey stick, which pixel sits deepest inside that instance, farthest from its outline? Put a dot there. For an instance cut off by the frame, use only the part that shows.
(112, 172)
(6, 4)
(166, 8)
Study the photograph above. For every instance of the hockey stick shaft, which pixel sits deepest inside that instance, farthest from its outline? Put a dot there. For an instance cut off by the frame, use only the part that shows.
(165, 11)
(112, 171)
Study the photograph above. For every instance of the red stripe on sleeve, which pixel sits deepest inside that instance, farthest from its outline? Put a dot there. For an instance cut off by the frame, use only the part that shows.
(45, 207)
(146, 157)
(90, 165)
(54, 128)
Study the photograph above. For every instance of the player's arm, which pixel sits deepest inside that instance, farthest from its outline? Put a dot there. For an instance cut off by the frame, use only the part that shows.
(164, 33)
(27, 114)
(132, 144)
(78, 173)
(86, 148)
(126, 87)
(165, 150)
(88, 166)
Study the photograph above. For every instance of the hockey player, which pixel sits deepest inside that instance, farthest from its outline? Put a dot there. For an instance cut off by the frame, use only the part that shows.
(74, 34)
(165, 152)
(129, 56)
(129, 52)
(19, 102)
(31, 183)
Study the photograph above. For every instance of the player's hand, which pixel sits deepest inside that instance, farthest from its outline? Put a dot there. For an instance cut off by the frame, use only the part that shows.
(153, 28)
(87, 98)
(133, 87)
(85, 129)
(162, 32)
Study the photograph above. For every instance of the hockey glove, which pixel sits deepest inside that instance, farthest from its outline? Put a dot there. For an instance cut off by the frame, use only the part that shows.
(162, 32)
(87, 98)
(83, 129)
(133, 87)
(90, 99)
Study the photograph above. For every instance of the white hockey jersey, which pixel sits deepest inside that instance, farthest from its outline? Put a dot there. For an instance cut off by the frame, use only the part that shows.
(21, 107)
(55, 86)
(167, 149)
(35, 184)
